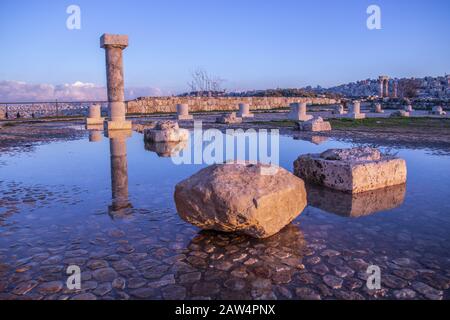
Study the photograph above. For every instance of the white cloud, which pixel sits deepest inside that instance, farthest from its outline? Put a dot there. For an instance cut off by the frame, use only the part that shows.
(19, 91)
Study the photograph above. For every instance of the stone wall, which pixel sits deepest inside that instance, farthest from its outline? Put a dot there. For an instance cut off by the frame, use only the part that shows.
(168, 104)
(37, 110)
(152, 105)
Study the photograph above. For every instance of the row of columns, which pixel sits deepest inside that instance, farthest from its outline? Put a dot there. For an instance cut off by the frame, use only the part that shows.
(384, 87)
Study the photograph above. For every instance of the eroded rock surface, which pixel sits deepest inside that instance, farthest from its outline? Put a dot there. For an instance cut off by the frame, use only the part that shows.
(229, 118)
(315, 125)
(351, 170)
(166, 131)
(241, 198)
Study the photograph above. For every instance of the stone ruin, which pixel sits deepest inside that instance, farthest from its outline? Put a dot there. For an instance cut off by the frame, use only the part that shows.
(355, 111)
(338, 110)
(183, 112)
(438, 111)
(377, 108)
(351, 170)
(166, 131)
(240, 197)
(314, 125)
(244, 111)
(298, 112)
(400, 113)
(114, 45)
(229, 118)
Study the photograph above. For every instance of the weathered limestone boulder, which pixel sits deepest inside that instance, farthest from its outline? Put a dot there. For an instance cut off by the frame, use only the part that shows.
(229, 118)
(351, 170)
(437, 110)
(314, 125)
(166, 131)
(400, 113)
(241, 197)
(141, 127)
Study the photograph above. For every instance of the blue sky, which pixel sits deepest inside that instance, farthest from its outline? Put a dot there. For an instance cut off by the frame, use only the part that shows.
(252, 44)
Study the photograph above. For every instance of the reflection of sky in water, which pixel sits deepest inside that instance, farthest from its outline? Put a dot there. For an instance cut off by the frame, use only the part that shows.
(87, 165)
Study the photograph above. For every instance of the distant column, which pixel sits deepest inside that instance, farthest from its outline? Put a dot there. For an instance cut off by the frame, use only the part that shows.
(114, 45)
(183, 112)
(380, 92)
(355, 111)
(386, 87)
(395, 92)
(244, 111)
(298, 112)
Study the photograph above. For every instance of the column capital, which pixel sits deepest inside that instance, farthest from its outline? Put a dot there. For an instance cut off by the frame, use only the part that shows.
(114, 41)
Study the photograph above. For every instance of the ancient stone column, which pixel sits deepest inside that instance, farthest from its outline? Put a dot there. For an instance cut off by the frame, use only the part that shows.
(94, 115)
(114, 45)
(395, 90)
(380, 80)
(298, 112)
(377, 108)
(386, 87)
(355, 111)
(244, 111)
(183, 112)
(119, 175)
(339, 109)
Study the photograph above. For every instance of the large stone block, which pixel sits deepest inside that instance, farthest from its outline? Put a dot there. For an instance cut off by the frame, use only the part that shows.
(166, 131)
(241, 197)
(351, 170)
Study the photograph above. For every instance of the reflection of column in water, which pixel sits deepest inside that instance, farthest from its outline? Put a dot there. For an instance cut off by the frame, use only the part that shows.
(119, 175)
(95, 136)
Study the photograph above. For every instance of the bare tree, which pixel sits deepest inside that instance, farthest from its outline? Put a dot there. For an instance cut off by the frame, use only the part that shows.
(408, 88)
(203, 82)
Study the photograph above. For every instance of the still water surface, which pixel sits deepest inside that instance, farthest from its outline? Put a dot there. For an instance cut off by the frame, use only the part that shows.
(57, 209)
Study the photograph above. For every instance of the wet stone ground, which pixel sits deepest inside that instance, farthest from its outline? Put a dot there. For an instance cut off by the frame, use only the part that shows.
(150, 253)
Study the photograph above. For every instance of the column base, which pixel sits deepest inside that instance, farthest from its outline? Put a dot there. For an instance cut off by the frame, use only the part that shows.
(245, 115)
(356, 116)
(185, 117)
(118, 125)
(297, 118)
(94, 121)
